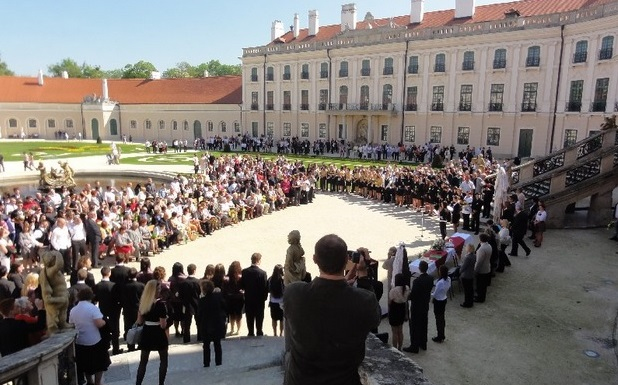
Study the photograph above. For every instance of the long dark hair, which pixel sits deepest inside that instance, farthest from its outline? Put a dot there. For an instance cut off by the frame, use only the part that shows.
(400, 280)
(443, 272)
(275, 282)
(177, 269)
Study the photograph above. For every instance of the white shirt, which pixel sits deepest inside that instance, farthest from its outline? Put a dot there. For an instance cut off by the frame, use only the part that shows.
(541, 216)
(60, 238)
(77, 232)
(442, 287)
(82, 316)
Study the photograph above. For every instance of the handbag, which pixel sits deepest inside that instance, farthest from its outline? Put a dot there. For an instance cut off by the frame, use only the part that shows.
(134, 335)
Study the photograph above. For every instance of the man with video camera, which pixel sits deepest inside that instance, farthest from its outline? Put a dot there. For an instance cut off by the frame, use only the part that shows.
(327, 321)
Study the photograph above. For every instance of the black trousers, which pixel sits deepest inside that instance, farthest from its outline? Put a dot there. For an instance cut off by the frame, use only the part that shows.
(187, 319)
(218, 352)
(66, 258)
(78, 249)
(114, 325)
(475, 222)
(518, 241)
(93, 246)
(255, 319)
(468, 285)
(418, 327)
(466, 221)
(443, 229)
(482, 281)
(439, 308)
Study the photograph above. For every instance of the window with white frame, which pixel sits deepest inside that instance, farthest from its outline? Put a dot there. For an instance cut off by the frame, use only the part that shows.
(570, 137)
(287, 129)
(463, 135)
(133, 124)
(174, 125)
(210, 126)
(270, 129)
(12, 123)
(409, 134)
(222, 127)
(68, 123)
(304, 130)
(322, 131)
(32, 123)
(493, 136)
(148, 124)
(236, 126)
(384, 132)
(51, 123)
(435, 134)
(255, 128)
(161, 125)
(185, 125)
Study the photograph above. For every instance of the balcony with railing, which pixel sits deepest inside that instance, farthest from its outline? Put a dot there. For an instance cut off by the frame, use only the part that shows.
(270, 77)
(287, 107)
(465, 106)
(580, 57)
(254, 78)
(598, 106)
(323, 74)
(411, 107)
(528, 107)
(388, 70)
(439, 67)
(533, 61)
(365, 71)
(287, 76)
(254, 106)
(438, 106)
(573, 106)
(270, 107)
(606, 53)
(467, 65)
(495, 107)
(304, 107)
(343, 73)
(304, 75)
(322, 106)
(499, 64)
(413, 69)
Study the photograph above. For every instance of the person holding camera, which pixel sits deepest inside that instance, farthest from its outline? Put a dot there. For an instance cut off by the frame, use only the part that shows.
(327, 321)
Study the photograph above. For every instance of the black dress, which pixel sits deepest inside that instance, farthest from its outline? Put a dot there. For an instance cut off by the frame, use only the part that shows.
(153, 336)
(396, 313)
(234, 298)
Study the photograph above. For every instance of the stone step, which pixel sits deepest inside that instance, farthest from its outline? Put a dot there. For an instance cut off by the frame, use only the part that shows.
(246, 360)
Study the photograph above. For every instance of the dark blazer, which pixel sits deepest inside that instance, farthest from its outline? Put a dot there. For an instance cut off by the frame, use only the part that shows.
(189, 292)
(519, 227)
(73, 290)
(93, 232)
(89, 279)
(18, 280)
(421, 292)
(107, 298)
(7, 289)
(211, 315)
(120, 274)
(130, 296)
(254, 282)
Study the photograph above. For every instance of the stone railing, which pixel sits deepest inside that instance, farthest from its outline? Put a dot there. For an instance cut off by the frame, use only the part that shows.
(395, 33)
(51, 362)
(384, 365)
(588, 168)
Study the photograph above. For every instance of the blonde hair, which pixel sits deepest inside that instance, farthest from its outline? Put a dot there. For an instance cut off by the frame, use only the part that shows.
(470, 248)
(31, 282)
(149, 297)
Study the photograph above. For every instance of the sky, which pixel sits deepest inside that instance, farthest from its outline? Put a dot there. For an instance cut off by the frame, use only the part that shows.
(113, 33)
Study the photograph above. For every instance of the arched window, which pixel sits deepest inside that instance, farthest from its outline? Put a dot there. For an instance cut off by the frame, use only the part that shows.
(500, 58)
(343, 96)
(304, 72)
(607, 48)
(388, 66)
(32, 123)
(534, 56)
(185, 125)
(209, 126)
(12, 123)
(270, 74)
(254, 74)
(68, 123)
(343, 69)
(440, 64)
(174, 125)
(287, 73)
(113, 127)
(468, 61)
(161, 125)
(324, 70)
(387, 96)
(364, 97)
(147, 124)
(366, 67)
(581, 52)
(222, 126)
(236, 126)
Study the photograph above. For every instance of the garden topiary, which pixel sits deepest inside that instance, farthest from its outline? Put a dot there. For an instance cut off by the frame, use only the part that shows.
(437, 161)
(99, 141)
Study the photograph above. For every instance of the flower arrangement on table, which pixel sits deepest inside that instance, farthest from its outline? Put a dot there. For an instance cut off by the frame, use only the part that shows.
(438, 245)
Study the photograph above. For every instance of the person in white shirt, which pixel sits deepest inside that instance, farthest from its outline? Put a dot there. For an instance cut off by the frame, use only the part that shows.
(78, 239)
(91, 354)
(539, 225)
(60, 240)
(443, 285)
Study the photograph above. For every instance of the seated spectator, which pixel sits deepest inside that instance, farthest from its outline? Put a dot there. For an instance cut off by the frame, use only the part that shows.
(14, 333)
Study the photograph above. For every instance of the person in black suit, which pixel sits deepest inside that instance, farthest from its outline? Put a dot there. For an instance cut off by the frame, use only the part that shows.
(93, 237)
(107, 297)
(79, 285)
(519, 227)
(129, 300)
(189, 293)
(419, 309)
(254, 283)
(211, 315)
(7, 288)
(119, 276)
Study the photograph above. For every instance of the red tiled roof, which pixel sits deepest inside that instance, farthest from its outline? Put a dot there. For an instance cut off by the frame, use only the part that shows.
(213, 90)
(483, 13)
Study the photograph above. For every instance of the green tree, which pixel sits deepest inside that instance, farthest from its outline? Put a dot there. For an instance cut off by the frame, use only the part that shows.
(4, 69)
(182, 70)
(140, 70)
(94, 72)
(113, 74)
(215, 68)
(69, 65)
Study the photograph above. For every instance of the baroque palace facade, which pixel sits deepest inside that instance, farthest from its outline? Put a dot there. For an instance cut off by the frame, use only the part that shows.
(525, 77)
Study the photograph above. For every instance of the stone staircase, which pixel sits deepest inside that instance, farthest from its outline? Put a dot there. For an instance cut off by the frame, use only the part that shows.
(588, 169)
(246, 361)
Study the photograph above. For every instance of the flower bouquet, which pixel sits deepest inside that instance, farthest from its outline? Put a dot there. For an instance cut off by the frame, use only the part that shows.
(438, 245)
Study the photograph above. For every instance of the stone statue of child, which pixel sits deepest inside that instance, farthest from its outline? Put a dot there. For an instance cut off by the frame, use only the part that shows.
(54, 291)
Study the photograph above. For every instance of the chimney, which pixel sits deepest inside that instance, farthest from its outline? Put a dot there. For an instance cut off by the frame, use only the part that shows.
(417, 10)
(206, 73)
(464, 8)
(348, 16)
(155, 75)
(65, 75)
(40, 78)
(296, 25)
(105, 92)
(314, 23)
(276, 30)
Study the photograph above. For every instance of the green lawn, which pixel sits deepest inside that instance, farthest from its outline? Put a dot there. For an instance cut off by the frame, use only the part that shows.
(187, 158)
(14, 149)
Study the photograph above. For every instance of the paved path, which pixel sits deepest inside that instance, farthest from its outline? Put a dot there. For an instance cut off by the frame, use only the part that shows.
(540, 318)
